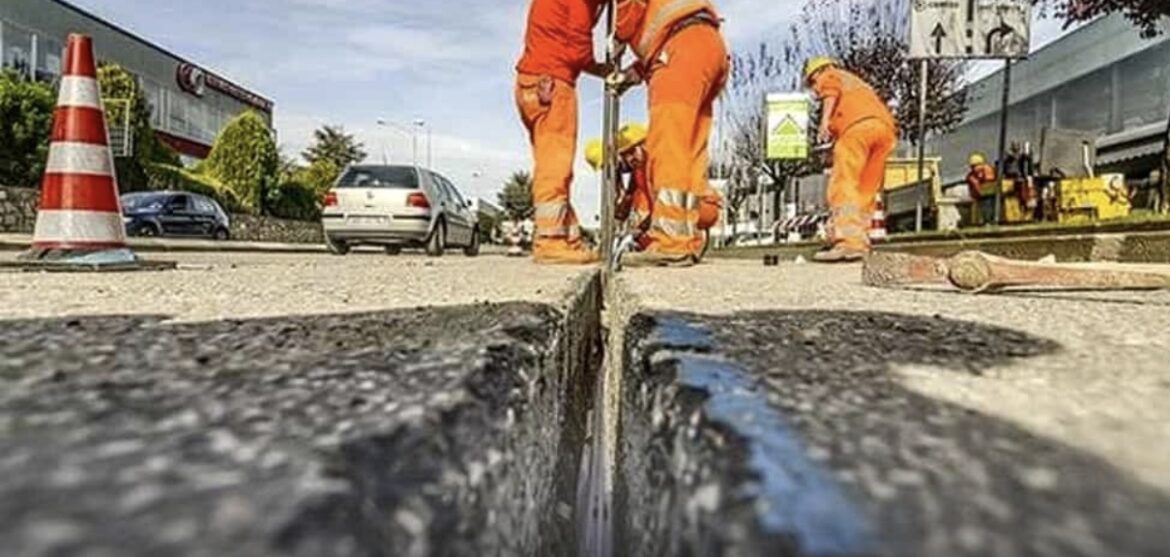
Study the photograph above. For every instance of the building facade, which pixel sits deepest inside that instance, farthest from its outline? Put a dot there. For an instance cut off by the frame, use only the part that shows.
(189, 103)
(1102, 78)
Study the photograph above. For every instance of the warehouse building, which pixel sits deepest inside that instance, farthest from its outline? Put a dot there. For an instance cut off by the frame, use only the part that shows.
(190, 103)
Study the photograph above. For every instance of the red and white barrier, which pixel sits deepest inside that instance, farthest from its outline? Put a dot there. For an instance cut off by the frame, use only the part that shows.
(877, 224)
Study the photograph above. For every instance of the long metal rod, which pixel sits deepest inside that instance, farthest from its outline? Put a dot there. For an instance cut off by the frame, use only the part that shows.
(923, 89)
(1003, 129)
(609, 126)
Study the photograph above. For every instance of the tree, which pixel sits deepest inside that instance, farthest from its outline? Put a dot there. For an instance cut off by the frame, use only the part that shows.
(516, 197)
(331, 143)
(868, 38)
(117, 84)
(26, 110)
(1143, 13)
(245, 160)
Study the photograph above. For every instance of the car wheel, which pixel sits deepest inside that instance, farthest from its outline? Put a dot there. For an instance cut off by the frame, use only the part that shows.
(222, 235)
(393, 250)
(148, 231)
(336, 247)
(437, 243)
(472, 249)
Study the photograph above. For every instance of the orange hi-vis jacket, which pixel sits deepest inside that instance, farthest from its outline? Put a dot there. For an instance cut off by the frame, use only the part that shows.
(559, 39)
(646, 25)
(856, 100)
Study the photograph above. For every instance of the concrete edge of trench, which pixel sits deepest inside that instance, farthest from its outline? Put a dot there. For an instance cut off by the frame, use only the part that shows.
(692, 448)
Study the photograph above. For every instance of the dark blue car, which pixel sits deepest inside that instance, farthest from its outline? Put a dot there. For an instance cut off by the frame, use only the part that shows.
(174, 213)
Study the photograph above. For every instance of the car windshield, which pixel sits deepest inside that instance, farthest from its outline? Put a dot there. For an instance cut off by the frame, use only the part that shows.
(143, 201)
(403, 177)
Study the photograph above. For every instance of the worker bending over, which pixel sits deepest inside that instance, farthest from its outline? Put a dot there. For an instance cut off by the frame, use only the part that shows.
(558, 47)
(634, 202)
(980, 173)
(864, 133)
(683, 58)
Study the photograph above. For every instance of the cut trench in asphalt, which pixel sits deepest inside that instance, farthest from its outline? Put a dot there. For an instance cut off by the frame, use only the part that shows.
(495, 430)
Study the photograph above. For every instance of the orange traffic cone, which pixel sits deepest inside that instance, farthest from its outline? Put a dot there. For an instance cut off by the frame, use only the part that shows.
(877, 223)
(80, 215)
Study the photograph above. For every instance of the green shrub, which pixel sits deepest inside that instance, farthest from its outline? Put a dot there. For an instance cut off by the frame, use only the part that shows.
(245, 160)
(118, 84)
(293, 200)
(167, 177)
(26, 119)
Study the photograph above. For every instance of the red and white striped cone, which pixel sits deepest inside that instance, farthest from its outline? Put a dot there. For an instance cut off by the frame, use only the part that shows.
(877, 223)
(80, 214)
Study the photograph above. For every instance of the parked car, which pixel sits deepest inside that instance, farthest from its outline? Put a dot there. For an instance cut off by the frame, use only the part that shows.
(174, 213)
(398, 207)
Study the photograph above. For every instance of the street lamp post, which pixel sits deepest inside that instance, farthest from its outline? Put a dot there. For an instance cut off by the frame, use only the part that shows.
(418, 124)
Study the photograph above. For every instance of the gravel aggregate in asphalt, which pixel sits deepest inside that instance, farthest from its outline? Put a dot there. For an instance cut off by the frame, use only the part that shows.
(293, 405)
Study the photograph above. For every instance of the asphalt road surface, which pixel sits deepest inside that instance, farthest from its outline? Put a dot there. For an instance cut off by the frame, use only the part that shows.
(897, 422)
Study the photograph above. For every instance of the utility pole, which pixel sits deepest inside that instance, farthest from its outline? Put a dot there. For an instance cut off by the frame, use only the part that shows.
(1003, 128)
(923, 90)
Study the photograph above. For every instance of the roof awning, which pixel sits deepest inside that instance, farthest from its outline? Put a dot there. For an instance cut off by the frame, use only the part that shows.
(1148, 148)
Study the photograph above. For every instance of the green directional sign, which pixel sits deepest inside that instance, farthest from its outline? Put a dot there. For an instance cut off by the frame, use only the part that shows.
(786, 136)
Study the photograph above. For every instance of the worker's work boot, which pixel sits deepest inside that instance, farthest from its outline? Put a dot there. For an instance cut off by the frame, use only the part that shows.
(563, 253)
(840, 253)
(658, 259)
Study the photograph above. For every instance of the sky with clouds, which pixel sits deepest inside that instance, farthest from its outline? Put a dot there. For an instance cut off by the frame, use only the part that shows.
(352, 62)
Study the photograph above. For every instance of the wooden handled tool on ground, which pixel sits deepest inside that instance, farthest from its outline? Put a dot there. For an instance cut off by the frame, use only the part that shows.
(979, 272)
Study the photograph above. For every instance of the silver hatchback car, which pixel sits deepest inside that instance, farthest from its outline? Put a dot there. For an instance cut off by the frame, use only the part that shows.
(398, 207)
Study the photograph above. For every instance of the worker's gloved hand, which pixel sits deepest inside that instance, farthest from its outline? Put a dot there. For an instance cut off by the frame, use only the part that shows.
(544, 90)
(622, 81)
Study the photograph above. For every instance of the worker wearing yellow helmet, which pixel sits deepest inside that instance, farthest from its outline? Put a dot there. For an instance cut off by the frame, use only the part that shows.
(635, 202)
(864, 133)
(979, 174)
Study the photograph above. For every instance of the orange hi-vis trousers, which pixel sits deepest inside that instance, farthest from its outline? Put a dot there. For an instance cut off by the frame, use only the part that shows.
(552, 127)
(859, 168)
(684, 84)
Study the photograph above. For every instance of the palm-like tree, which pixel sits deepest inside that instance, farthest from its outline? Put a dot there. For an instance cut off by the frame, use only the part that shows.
(516, 197)
(331, 143)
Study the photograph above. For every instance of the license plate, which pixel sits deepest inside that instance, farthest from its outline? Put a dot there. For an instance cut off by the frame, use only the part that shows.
(367, 221)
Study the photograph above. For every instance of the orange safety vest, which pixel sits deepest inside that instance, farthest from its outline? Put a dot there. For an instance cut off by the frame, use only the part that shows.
(648, 24)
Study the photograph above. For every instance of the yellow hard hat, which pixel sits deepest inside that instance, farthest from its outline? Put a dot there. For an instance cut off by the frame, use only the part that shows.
(630, 136)
(977, 158)
(595, 153)
(816, 64)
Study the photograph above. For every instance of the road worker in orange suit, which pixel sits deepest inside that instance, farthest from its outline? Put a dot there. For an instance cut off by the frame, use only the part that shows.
(864, 133)
(682, 57)
(558, 48)
(980, 173)
(634, 202)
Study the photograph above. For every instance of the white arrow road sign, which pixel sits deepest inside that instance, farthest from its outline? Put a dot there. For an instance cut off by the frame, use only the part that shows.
(938, 28)
(1002, 28)
(970, 28)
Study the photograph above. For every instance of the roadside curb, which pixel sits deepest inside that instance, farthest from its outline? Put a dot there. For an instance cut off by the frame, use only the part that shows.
(21, 243)
(1134, 247)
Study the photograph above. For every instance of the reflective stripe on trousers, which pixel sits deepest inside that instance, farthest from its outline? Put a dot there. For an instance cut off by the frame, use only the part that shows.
(555, 220)
(676, 213)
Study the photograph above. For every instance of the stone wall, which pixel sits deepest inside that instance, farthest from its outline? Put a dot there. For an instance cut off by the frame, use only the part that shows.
(18, 210)
(249, 228)
(18, 215)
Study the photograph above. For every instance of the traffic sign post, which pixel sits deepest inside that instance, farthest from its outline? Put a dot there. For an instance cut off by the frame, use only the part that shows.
(970, 29)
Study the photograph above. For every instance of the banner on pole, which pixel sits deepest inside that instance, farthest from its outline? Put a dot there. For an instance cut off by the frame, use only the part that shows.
(786, 126)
